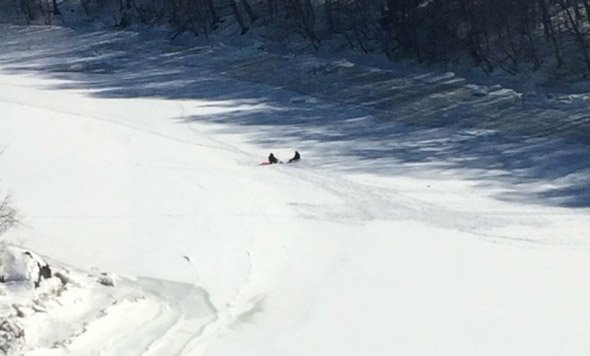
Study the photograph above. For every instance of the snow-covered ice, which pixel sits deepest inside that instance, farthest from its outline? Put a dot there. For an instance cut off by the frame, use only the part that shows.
(457, 234)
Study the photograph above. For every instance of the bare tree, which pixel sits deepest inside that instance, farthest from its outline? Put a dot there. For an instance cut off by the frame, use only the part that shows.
(571, 9)
(248, 8)
(513, 35)
(238, 16)
(7, 215)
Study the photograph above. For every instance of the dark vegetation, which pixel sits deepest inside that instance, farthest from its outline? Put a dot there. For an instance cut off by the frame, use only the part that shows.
(513, 35)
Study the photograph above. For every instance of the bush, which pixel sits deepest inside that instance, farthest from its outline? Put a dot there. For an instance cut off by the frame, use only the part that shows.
(7, 214)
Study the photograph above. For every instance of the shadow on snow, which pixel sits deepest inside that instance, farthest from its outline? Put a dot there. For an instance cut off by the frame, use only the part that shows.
(427, 127)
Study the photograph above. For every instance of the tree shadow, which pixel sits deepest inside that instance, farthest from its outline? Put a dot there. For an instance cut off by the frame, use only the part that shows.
(339, 116)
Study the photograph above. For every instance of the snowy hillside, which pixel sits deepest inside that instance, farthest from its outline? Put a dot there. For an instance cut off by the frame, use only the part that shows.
(428, 216)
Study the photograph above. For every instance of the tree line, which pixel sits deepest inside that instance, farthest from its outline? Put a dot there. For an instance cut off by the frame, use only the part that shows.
(513, 35)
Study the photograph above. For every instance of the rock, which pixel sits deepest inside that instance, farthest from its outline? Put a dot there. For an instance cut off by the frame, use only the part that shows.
(11, 337)
(107, 280)
(18, 265)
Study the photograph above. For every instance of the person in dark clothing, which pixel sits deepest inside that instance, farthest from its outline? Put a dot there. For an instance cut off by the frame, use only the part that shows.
(272, 159)
(295, 158)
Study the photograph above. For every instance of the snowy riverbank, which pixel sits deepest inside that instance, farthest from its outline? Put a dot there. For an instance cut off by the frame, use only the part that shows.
(425, 234)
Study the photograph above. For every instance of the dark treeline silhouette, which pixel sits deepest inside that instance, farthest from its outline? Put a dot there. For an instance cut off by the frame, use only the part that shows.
(513, 35)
